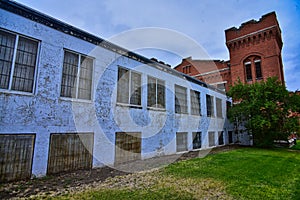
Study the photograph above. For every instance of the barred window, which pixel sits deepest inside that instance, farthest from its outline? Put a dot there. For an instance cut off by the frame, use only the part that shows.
(129, 87)
(77, 76)
(156, 93)
(219, 108)
(221, 137)
(181, 141)
(18, 57)
(211, 139)
(195, 102)
(196, 140)
(210, 106)
(180, 99)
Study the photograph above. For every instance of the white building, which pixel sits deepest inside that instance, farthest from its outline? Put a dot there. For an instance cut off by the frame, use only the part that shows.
(71, 100)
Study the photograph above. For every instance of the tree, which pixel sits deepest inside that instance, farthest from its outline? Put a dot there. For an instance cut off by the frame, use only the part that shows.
(267, 110)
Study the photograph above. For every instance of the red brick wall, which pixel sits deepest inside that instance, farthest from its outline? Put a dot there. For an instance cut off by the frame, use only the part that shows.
(256, 38)
(252, 39)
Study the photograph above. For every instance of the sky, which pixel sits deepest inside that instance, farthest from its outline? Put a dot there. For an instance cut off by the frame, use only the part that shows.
(177, 27)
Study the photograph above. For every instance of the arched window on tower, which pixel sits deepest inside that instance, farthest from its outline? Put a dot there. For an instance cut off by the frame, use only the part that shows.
(248, 71)
(253, 64)
(258, 72)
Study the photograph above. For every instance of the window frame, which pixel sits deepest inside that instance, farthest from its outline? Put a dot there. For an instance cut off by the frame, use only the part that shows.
(210, 108)
(211, 139)
(258, 69)
(248, 71)
(178, 107)
(196, 143)
(13, 64)
(156, 105)
(78, 77)
(128, 103)
(183, 141)
(192, 103)
(221, 138)
(219, 107)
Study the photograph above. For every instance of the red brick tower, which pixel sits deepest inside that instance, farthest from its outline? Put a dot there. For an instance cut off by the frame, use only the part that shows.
(255, 50)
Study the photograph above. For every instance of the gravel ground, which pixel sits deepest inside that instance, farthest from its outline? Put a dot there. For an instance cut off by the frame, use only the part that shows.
(81, 180)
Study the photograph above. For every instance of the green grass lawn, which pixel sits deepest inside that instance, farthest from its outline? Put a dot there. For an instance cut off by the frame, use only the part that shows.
(246, 173)
(297, 146)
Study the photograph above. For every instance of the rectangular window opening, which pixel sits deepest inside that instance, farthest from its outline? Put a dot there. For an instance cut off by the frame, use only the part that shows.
(248, 72)
(18, 59)
(181, 141)
(195, 102)
(77, 76)
(129, 87)
(181, 99)
(196, 140)
(221, 137)
(210, 105)
(211, 139)
(219, 108)
(258, 69)
(156, 93)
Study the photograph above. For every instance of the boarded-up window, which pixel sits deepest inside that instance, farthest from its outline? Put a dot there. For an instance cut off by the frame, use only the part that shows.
(129, 87)
(70, 152)
(77, 76)
(16, 154)
(221, 137)
(196, 140)
(18, 57)
(180, 99)
(219, 108)
(195, 102)
(181, 141)
(156, 93)
(211, 139)
(128, 147)
(210, 106)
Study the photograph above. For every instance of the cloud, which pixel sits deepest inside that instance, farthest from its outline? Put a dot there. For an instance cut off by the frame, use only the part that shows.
(204, 21)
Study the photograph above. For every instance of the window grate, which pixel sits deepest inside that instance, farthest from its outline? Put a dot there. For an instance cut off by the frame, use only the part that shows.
(196, 140)
(156, 93)
(195, 102)
(77, 76)
(219, 108)
(129, 87)
(18, 56)
(180, 99)
(209, 106)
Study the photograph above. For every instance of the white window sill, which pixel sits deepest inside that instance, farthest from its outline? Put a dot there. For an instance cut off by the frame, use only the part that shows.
(181, 152)
(196, 115)
(156, 109)
(129, 105)
(75, 100)
(16, 92)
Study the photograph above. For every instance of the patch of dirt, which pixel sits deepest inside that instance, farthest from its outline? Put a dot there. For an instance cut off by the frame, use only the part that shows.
(80, 180)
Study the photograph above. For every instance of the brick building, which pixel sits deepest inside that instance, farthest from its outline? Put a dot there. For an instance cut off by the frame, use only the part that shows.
(254, 52)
